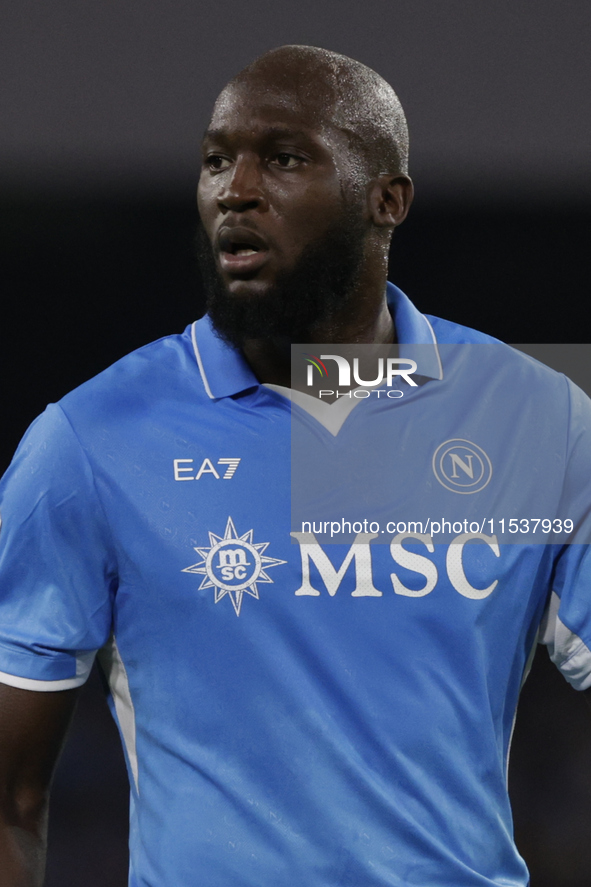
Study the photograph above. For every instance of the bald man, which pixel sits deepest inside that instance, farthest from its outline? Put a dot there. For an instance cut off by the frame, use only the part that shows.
(297, 710)
(330, 201)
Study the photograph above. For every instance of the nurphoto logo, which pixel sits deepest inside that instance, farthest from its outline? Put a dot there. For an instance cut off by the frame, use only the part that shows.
(356, 376)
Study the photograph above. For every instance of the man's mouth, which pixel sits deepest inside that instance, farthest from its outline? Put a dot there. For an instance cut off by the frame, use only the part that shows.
(241, 251)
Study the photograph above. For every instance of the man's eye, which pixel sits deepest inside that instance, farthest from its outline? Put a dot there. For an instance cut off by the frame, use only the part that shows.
(216, 161)
(287, 161)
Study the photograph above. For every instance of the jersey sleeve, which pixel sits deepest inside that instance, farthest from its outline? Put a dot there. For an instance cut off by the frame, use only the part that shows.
(57, 567)
(566, 626)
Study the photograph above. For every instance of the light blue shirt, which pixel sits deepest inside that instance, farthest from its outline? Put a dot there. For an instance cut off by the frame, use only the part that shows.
(295, 711)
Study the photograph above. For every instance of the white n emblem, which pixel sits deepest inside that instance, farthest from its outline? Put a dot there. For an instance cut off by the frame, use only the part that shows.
(458, 462)
(473, 462)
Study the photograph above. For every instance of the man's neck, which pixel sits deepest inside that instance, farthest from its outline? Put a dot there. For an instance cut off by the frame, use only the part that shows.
(270, 359)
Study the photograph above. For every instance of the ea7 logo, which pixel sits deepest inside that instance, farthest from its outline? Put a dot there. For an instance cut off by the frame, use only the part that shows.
(184, 469)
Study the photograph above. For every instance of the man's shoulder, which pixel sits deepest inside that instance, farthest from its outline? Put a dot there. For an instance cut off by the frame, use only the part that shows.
(449, 333)
(157, 371)
(529, 375)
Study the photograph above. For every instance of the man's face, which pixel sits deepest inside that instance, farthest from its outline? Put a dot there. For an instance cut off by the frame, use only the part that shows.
(274, 193)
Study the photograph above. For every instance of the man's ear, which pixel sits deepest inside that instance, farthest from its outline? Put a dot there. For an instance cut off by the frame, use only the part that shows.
(389, 199)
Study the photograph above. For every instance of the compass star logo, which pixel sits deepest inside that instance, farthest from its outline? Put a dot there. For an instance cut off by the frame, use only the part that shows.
(233, 565)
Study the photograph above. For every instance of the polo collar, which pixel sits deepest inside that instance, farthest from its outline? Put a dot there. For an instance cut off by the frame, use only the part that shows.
(416, 336)
(224, 370)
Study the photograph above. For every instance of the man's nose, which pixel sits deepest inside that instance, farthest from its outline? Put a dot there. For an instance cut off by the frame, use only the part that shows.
(243, 189)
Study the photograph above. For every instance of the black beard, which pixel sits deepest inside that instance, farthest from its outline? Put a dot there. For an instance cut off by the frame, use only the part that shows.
(314, 291)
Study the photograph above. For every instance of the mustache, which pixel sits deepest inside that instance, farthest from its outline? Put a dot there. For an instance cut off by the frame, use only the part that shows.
(207, 251)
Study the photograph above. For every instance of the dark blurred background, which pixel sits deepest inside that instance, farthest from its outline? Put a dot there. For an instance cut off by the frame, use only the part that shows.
(102, 107)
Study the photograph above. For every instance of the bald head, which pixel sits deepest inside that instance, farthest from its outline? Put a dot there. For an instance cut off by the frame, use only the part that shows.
(345, 93)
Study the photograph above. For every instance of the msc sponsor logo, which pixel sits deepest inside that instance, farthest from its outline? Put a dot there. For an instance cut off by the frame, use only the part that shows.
(461, 466)
(233, 565)
(360, 554)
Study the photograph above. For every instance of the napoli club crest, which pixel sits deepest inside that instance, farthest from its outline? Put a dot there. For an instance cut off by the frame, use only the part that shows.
(233, 565)
(461, 466)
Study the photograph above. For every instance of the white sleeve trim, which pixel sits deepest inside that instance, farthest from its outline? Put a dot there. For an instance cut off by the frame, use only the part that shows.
(42, 686)
(84, 661)
(566, 649)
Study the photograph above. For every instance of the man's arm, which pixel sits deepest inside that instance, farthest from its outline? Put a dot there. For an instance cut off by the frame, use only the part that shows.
(32, 730)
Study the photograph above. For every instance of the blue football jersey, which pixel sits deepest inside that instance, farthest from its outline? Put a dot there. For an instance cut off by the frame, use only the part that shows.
(301, 703)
